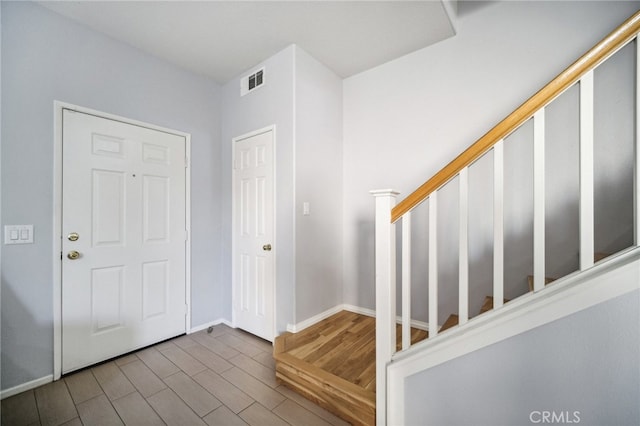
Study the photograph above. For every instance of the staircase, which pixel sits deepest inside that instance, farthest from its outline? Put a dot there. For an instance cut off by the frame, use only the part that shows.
(547, 298)
(601, 273)
(333, 364)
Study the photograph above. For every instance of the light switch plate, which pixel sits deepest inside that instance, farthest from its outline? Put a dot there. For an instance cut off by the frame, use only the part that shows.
(18, 234)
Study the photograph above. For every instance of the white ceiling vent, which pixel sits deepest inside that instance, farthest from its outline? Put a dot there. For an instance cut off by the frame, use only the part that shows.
(251, 82)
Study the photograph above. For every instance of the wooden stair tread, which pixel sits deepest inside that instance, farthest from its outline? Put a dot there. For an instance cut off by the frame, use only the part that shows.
(547, 280)
(488, 304)
(450, 322)
(454, 319)
(597, 257)
(416, 336)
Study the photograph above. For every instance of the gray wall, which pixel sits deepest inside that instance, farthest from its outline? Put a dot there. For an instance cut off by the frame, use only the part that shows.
(406, 119)
(44, 58)
(272, 104)
(401, 123)
(587, 362)
(318, 182)
(303, 99)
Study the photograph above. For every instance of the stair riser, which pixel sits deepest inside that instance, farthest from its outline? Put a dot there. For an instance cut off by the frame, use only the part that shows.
(327, 395)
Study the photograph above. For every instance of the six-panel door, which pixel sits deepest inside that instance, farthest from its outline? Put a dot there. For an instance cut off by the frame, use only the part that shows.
(254, 289)
(123, 265)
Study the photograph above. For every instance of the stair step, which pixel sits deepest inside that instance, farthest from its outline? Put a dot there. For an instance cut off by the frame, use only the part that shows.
(450, 322)
(416, 336)
(488, 304)
(454, 319)
(530, 281)
(598, 256)
(333, 364)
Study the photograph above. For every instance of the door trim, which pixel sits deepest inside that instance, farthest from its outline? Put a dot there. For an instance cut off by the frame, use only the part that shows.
(58, 107)
(234, 284)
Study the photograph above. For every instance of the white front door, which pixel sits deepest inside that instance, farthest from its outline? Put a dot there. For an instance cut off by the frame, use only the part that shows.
(123, 238)
(253, 235)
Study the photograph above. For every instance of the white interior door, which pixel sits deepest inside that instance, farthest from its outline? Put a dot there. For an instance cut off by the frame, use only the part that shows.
(253, 228)
(123, 238)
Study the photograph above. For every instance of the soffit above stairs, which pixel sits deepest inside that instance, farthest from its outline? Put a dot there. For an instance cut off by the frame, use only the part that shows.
(221, 39)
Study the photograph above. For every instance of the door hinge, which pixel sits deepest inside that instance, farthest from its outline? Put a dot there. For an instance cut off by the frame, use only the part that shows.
(186, 162)
(186, 235)
(186, 309)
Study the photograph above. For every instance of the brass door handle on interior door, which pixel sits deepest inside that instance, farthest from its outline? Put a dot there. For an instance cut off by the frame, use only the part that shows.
(73, 255)
(266, 247)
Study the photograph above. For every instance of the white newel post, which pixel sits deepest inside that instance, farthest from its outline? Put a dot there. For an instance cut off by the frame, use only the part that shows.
(385, 264)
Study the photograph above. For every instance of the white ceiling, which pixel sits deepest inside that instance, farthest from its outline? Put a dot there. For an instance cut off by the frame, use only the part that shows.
(221, 39)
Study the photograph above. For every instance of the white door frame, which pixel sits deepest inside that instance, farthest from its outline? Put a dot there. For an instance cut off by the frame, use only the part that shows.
(58, 107)
(234, 284)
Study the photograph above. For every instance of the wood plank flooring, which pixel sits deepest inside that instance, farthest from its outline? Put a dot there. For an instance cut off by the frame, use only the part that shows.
(333, 364)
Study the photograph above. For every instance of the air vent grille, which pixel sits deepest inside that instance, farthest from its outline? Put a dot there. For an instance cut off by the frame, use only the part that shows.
(251, 82)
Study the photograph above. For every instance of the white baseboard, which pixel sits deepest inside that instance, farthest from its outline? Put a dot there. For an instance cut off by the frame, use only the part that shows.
(6, 393)
(210, 324)
(295, 328)
(358, 310)
(421, 325)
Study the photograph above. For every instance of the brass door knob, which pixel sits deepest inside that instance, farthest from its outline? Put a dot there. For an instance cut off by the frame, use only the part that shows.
(266, 247)
(73, 236)
(73, 255)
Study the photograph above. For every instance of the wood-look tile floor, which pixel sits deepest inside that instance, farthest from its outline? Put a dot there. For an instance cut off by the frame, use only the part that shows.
(223, 378)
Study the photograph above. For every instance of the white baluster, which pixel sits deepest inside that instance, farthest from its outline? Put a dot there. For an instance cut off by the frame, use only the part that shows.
(538, 201)
(586, 171)
(433, 264)
(463, 257)
(498, 224)
(385, 264)
(406, 280)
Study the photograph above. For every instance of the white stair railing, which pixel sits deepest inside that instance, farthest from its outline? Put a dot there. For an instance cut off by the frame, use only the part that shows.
(388, 214)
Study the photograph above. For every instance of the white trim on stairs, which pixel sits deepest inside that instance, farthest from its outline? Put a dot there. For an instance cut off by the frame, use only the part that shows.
(617, 276)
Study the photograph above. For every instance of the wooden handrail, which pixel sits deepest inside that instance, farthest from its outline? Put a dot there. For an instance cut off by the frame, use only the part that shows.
(607, 47)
